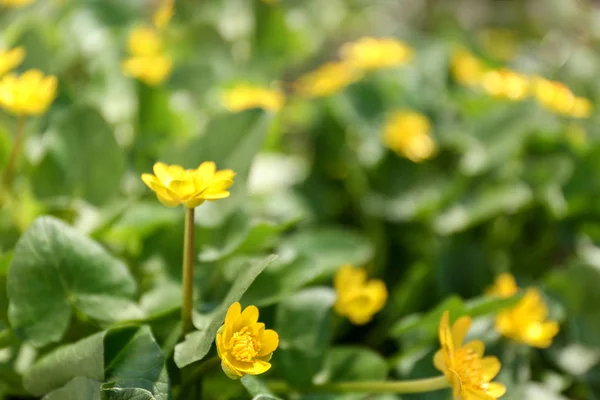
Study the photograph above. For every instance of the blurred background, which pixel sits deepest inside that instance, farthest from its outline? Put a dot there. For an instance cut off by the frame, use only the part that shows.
(475, 151)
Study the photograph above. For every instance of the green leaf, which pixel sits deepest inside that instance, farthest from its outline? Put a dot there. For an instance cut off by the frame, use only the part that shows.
(197, 344)
(329, 248)
(134, 360)
(80, 359)
(347, 363)
(304, 323)
(82, 141)
(56, 271)
(257, 388)
(77, 389)
(125, 360)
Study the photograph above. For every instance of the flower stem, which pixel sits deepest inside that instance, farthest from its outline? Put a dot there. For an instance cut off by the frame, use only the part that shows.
(12, 160)
(411, 386)
(188, 272)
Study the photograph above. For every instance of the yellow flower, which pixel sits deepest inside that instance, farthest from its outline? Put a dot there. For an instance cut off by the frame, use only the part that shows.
(469, 373)
(466, 68)
(326, 80)
(504, 286)
(175, 185)
(408, 134)
(244, 96)
(373, 53)
(357, 298)
(10, 59)
(163, 14)
(15, 3)
(506, 84)
(553, 95)
(527, 321)
(582, 108)
(144, 41)
(243, 343)
(30, 93)
(151, 70)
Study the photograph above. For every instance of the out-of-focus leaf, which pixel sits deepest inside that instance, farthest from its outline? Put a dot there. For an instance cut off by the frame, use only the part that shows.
(257, 388)
(197, 344)
(304, 324)
(127, 360)
(346, 363)
(72, 273)
(90, 159)
(329, 248)
(77, 389)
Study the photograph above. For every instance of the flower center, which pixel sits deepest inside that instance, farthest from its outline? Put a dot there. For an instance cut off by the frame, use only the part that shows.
(469, 369)
(244, 346)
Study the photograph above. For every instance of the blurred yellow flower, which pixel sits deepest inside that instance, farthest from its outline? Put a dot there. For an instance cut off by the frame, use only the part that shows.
(151, 70)
(326, 80)
(370, 53)
(582, 108)
(163, 14)
(357, 298)
(243, 343)
(527, 321)
(505, 83)
(144, 41)
(10, 59)
(30, 93)
(408, 133)
(175, 185)
(469, 373)
(245, 96)
(15, 3)
(466, 68)
(504, 286)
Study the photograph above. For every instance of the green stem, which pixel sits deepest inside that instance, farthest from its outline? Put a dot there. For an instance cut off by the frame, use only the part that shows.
(412, 386)
(188, 272)
(195, 371)
(12, 160)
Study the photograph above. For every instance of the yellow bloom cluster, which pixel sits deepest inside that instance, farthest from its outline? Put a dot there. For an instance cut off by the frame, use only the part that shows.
(508, 84)
(408, 133)
(245, 96)
(526, 322)
(470, 373)
(505, 83)
(366, 54)
(557, 97)
(15, 3)
(370, 53)
(243, 343)
(175, 185)
(357, 298)
(148, 62)
(30, 93)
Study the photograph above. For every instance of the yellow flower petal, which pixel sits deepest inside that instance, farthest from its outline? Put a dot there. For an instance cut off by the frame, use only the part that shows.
(496, 389)
(248, 317)
(183, 189)
(491, 367)
(206, 170)
(477, 346)
(438, 361)
(460, 329)
(269, 342)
